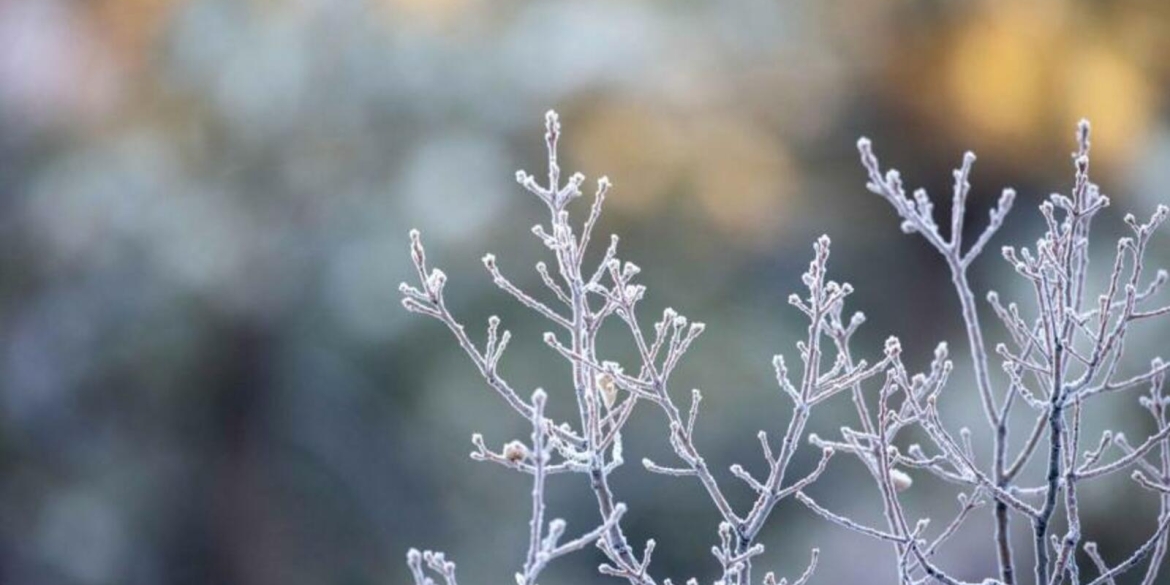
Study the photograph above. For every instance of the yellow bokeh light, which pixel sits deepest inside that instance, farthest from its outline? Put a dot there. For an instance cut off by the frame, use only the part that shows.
(431, 13)
(739, 175)
(1111, 91)
(997, 75)
(743, 177)
(641, 148)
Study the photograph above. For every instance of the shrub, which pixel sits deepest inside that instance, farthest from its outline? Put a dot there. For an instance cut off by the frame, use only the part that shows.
(1063, 355)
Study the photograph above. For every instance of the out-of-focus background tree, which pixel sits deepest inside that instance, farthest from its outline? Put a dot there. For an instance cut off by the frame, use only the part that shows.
(205, 376)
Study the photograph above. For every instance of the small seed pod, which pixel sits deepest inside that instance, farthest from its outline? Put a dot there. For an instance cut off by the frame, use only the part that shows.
(607, 388)
(901, 480)
(515, 451)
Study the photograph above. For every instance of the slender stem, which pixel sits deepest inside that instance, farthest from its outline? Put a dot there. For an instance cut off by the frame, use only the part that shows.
(998, 422)
(584, 345)
(539, 459)
(1055, 432)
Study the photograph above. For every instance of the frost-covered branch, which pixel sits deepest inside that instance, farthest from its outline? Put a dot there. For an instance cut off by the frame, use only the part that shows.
(606, 393)
(592, 449)
(1062, 357)
(1061, 351)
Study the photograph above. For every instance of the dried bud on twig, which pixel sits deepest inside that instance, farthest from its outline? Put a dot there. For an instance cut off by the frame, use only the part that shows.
(607, 389)
(901, 480)
(515, 451)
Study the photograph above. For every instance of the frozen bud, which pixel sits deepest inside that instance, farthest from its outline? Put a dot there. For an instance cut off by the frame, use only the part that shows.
(1007, 197)
(489, 261)
(901, 480)
(1063, 202)
(940, 351)
(515, 451)
(857, 319)
(893, 346)
(606, 388)
(416, 249)
(437, 280)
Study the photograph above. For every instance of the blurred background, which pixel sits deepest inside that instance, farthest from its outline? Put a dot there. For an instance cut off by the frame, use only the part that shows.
(205, 373)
